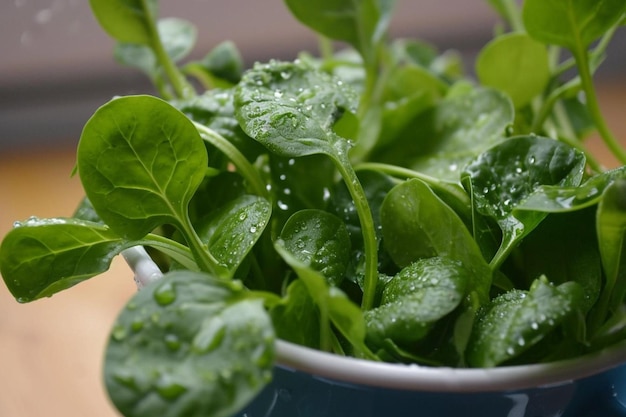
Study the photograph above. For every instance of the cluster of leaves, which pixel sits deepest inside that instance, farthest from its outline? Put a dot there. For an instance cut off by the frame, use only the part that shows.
(373, 202)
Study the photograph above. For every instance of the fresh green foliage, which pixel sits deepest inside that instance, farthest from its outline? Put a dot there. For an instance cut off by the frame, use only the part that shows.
(189, 345)
(374, 201)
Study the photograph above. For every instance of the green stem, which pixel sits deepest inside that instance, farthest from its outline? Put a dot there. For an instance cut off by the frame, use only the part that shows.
(366, 220)
(512, 14)
(206, 261)
(245, 168)
(180, 85)
(582, 61)
(180, 253)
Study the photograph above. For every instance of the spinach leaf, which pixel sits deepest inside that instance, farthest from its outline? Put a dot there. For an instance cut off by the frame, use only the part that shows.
(362, 24)
(517, 320)
(417, 224)
(611, 227)
(333, 306)
(189, 344)
(416, 298)
(516, 64)
(296, 317)
(231, 231)
(140, 161)
(320, 241)
(441, 141)
(572, 24)
(41, 257)
(291, 108)
(126, 20)
(511, 171)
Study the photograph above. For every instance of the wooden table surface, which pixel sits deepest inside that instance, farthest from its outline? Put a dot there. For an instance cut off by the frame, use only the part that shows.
(51, 350)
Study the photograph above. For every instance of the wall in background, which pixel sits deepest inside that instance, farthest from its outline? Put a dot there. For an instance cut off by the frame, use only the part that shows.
(57, 66)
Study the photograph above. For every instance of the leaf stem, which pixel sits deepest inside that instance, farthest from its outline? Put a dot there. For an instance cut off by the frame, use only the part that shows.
(206, 261)
(366, 220)
(582, 61)
(245, 168)
(180, 85)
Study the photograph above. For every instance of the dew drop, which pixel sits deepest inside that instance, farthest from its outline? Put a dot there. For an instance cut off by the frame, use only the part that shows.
(210, 336)
(118, 333)
(285, 75)
(253, 229)
(172, 342)
(169, 389)
(278, 94)
(165, 294)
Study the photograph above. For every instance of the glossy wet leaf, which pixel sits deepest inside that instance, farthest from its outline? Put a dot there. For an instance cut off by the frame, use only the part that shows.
(515, 64)
(333, 305)
(517, 320)
(178, 37)
(189, 345)
(417, 224)
(447, 137)
(556, 198)
(126, 20)
(573, 24)
(320, 241)
(416, 298)
(234, 228)
(295, 318)
(41, 257)
(362, 24)
(291, 108)
(140, 161)
(505, 175)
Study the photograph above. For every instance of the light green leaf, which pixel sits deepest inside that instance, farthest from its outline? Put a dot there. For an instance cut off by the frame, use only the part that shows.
(189, 344)
(126, 20)
(515, 64)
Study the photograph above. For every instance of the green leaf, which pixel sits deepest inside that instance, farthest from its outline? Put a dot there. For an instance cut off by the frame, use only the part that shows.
(320, 241)
(517, 320)
(505, 175)
(555, 199)
(362, 24)
(515, 64)
(140, 161)
(447, 137)
(189, 345)
(296, 317)
(333, 304)
(415, 299)
(573, 24)
(417, 224)
(178, 37)
(234, 228)
(126, 20)
(291, 108)
(222, 67)
(611, 227)
(41, 257)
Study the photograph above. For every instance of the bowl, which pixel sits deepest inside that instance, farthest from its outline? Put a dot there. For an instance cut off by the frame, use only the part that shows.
(310, 383)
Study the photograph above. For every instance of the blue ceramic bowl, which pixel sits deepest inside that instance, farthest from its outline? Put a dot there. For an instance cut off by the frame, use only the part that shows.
(309, 383)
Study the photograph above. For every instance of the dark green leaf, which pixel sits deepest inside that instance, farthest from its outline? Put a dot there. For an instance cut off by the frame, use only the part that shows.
(234, 228)
(291, 108)
(445, 138)
(416, 298)
(296, 317)
(611, 226)
(517, 320)
(417, 224)
(140, 161)
(189, 345)
(320, 241)
(41, 257)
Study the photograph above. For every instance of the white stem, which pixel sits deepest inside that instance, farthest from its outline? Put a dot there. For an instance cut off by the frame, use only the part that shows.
(146, 271)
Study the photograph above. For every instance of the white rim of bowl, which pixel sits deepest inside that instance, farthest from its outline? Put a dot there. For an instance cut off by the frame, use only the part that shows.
(458, 380)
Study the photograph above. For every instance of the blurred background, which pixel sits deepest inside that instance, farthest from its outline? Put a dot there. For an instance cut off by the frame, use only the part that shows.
(56, 68)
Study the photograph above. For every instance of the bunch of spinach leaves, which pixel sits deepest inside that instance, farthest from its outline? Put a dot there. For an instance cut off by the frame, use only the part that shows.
(374, 202)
